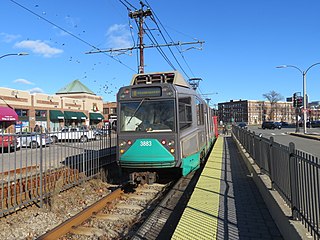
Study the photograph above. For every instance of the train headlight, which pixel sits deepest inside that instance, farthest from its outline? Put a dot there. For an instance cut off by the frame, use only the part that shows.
(123, 143)
(172, 150)
(121, 151)
(171, 143)
(163, 142)
(129, 142)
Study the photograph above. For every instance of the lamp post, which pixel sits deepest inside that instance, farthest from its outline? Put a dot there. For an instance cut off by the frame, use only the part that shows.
(304, 79)
(15, 54)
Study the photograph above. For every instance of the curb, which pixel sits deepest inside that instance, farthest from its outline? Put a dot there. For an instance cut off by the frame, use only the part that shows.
(309, 136)
(279, 210)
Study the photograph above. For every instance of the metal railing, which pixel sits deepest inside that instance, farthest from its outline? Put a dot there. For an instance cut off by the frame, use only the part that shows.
(293, 173)
(35, 166)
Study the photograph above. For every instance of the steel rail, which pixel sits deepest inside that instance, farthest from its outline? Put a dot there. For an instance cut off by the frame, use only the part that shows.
(76, 220)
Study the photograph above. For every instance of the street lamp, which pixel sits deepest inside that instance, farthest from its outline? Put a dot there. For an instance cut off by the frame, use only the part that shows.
(15, 54)
(304, 73)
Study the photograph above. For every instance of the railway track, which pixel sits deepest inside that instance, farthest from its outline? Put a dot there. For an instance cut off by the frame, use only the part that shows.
(162, 221)
(116, 216)
(146, 212)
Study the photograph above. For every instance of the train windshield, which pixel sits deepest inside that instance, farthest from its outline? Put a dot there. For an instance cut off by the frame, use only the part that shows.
(147, 116)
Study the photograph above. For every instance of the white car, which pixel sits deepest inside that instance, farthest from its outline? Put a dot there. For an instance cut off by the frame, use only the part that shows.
(79, 134)
(32, 139)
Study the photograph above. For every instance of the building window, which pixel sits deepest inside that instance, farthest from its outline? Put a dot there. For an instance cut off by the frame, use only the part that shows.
(113, 110)
(22, 112)
(41, 113)
(106, 111)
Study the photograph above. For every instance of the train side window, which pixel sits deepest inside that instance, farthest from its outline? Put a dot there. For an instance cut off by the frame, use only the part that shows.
(185, 113)
(200, 112)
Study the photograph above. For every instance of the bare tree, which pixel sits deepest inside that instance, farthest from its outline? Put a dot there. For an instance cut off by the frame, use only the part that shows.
(273, 97)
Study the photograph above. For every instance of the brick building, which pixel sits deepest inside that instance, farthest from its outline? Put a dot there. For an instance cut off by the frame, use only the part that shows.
(73, 105)
(255, 112)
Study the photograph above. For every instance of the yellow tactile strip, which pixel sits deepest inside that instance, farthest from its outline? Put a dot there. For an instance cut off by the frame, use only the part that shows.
(200, 218)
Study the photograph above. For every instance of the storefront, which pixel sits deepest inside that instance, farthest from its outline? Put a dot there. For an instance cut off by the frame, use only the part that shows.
(95, 118)
(8, 118)
(41, 119)
(56, 120)
(74, 118)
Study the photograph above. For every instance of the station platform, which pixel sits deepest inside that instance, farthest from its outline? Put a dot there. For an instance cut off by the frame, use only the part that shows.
(225, 203)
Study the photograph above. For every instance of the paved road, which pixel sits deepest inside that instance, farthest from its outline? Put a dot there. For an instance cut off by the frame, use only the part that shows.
(282, 136)
(54, 155)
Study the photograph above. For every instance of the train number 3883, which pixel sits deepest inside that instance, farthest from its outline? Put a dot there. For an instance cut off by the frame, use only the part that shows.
(145, 144)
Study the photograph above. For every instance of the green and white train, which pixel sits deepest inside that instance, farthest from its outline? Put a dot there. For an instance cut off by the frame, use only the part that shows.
(163, 125)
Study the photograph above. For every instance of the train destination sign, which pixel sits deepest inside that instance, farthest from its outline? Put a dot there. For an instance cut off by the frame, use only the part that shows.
(146, 92)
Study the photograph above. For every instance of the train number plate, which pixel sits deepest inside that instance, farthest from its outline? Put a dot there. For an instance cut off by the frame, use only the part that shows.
(145, 144)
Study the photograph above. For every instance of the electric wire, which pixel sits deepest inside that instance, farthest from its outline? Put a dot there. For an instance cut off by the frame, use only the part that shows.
(170, 49)
(154, 42)
(128, 4)
(154, 19)
(70, 33)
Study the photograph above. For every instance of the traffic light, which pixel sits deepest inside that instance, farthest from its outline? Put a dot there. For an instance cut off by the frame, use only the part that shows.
(299, 101)
(294, 98)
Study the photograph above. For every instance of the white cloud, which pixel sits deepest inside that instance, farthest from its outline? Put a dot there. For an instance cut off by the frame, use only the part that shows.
(23, 81)
(118, 36)
(35, 90)
(5, 37)
(39, 47)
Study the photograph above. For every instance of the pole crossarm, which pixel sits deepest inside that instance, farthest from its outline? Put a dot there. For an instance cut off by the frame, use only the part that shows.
(145, 46)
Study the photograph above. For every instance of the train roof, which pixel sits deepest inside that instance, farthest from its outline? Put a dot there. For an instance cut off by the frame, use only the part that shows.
(173, 77)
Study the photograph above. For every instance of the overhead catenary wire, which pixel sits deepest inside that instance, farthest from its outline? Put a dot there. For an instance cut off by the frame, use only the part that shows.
(154, 19)
(70, 33)
(154, 41)
(128, 3)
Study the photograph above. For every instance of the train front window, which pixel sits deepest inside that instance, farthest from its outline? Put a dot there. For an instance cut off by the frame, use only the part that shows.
(147, 116)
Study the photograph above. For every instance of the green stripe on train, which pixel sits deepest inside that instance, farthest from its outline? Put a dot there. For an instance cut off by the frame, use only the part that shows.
(148, 151)
(190, 163)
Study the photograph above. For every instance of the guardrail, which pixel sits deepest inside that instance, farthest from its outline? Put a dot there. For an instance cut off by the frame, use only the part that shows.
(294, 174)
(33, 167)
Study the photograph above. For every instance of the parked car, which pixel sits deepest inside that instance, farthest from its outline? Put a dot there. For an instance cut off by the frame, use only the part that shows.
(269, 125)
(8, 142)
(243, 125)
(33, 139)
(315, 124)
(284, 124)
(79, 134)
(308, 124)
(100, 132)
(278, 125)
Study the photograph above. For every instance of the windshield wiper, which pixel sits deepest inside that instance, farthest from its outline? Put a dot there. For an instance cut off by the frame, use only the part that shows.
(135, 111)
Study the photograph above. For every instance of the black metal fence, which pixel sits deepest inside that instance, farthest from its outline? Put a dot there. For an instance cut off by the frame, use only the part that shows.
(34, 166)
(293, 173)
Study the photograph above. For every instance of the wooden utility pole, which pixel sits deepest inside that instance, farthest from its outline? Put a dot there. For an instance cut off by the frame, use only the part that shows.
(141, 14)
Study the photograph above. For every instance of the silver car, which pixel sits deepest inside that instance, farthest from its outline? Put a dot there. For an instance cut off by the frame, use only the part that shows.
(32, 139)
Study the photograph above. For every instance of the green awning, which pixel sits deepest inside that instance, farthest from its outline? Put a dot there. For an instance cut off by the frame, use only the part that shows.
(70, 115)
(81, 116)
(56, 115)
(96, 116)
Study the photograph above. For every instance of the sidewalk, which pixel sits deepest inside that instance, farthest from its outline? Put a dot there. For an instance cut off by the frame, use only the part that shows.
(308, 135)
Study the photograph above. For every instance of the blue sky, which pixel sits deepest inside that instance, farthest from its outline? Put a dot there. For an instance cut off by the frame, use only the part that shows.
(244, 42)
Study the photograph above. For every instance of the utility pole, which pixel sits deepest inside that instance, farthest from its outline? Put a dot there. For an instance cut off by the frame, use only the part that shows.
(140, 15)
